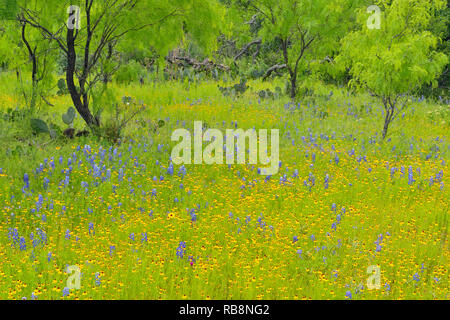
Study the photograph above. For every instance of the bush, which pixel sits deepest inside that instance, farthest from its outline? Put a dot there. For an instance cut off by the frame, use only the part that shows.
(130, 72)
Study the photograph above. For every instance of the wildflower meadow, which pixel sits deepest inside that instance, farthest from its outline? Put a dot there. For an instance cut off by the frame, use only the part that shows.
(224, 150)
(139, 227)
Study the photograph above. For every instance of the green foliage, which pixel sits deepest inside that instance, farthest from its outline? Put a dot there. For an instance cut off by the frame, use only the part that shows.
(62, 87)
(13, 115)
(123, 114)
(400, 56)
(8, 9)
(441, 115)
(306, 31)
(268, 94)
(130, 72)
(235, 90)
(69, 116)
(39, 126)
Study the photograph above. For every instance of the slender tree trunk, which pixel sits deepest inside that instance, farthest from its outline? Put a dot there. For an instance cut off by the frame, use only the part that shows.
(389, 114)
(81, 106)
(33, 58)
(385, 127)
(292, 73)
(293, 86)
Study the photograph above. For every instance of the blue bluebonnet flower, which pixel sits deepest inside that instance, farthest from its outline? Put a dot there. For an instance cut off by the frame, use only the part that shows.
(335, 274)
(410, 176)
(91, 228)
(46, 182)
(66, 292)
(181, 250)
(97, 279)
(170, 169)
(348, 295)
(13, 235)
(26, 180)
(22, 244)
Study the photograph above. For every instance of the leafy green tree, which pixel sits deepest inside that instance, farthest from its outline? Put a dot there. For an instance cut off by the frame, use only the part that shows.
(396, 59)
(307, 30)
(104, 24)
(440, 26)
(23, 49)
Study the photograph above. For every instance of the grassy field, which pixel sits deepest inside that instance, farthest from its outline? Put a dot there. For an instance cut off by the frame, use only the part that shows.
(344, 200)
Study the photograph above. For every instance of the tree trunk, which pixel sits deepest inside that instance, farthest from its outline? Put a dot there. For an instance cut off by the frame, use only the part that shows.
(81, 106)
(292, 73)
(387, 120)
(293, 86)
(33, 58)
(386, 127)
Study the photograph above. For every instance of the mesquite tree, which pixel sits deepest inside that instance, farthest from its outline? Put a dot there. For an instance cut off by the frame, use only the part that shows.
(398, 57)
(89, 29)
(307, 30)
(23, 49)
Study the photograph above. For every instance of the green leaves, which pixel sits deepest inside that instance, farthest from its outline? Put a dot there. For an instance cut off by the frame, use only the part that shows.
(62, 87)
(161, 123)
(8, 9)
(398, 57)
